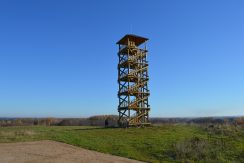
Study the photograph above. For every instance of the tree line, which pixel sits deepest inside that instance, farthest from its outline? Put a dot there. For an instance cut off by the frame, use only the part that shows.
(111, 121)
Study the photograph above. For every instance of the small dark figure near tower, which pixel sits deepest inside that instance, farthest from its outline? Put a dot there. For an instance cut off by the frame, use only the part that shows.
(133, 81)
(106, 122)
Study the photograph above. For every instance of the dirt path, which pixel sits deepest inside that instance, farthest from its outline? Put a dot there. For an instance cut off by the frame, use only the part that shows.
(53, 152)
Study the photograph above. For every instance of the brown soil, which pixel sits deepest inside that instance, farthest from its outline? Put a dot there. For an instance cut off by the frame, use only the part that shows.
(53, 152)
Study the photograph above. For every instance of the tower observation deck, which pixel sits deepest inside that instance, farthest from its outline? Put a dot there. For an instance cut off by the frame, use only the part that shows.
(133, 79)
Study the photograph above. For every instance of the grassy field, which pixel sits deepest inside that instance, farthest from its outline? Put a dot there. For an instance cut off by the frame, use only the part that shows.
(167, 143)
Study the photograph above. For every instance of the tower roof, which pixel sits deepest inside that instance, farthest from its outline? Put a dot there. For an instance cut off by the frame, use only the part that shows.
(137, 39)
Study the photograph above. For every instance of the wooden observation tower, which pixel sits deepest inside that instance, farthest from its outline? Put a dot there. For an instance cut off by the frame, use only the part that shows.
(133, 81)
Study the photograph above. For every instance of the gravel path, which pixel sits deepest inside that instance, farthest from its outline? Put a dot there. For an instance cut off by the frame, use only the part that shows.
(53, 152)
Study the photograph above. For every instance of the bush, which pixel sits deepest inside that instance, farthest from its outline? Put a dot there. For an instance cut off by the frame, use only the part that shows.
(196, 150)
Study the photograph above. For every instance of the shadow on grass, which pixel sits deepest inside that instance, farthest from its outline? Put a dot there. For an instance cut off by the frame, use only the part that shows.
(97, 128)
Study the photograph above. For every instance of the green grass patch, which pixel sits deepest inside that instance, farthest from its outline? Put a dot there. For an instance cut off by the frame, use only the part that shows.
(167, 143)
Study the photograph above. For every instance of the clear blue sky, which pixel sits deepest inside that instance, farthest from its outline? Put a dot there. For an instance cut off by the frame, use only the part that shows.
(59, 58)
